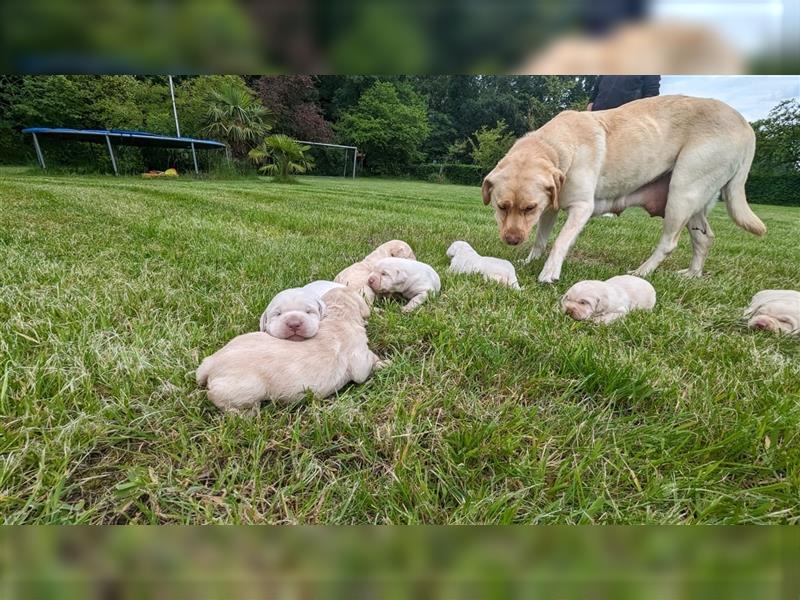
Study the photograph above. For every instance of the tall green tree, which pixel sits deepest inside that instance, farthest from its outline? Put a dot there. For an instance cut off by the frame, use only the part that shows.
(236, 116)
(389, 124)
(489, 145)
(778, 140)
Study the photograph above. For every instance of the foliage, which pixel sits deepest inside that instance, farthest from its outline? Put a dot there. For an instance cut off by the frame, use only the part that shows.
(280, 156)
(449, 173)
(293, 101)
(236, 116)
(774, 189)
(490, 145)
(778, 140)
(389, 125)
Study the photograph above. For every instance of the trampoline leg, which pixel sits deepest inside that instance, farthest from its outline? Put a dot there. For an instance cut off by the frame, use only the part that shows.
(39, 155)
(111, 154)
(194, 157)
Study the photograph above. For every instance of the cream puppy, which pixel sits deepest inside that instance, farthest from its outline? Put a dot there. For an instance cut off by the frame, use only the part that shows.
(606, 301)
(775, 310)
(254, 367)
(464, 259)
(412, 279)
(356, 275)
(295, 314)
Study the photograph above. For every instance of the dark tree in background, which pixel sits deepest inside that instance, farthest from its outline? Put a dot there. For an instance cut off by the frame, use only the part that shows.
(293, 99)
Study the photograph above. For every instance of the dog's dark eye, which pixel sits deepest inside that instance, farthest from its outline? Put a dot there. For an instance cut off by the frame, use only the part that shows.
(528, 209)
(586, 302)
(309, 311)
(384, 274)
(277, 313)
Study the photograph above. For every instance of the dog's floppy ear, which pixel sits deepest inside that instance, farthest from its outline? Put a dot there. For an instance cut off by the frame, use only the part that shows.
(262, 326)
(486, 190)
(555, 188)
(323, 308)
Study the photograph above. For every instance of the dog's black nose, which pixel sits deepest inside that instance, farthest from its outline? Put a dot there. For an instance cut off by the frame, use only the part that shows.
(512, 240)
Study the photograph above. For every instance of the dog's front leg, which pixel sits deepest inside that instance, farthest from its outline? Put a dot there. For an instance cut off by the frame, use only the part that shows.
(577, 216)
(543, 230)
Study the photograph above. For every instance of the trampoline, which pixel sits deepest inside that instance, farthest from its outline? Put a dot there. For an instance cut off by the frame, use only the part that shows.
(121, 137)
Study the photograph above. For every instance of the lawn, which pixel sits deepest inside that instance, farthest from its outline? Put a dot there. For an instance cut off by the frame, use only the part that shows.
(496, 409)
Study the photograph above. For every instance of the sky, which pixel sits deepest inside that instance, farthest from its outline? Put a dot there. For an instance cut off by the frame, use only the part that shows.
(751, 95)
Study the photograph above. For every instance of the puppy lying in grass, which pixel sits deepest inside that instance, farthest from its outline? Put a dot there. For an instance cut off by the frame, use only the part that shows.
(464, 259)
(254, 367)
(775, 310)
(295, 314)
(607, 301)
(356, 275)
(412, 279)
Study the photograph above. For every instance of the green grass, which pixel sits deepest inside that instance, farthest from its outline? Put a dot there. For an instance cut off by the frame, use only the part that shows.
(496, 409)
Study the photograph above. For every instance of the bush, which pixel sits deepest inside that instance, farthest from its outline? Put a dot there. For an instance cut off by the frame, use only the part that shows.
(783, 190)
(452, 173)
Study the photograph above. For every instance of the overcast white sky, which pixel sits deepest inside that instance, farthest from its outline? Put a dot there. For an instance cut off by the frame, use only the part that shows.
(751, 95)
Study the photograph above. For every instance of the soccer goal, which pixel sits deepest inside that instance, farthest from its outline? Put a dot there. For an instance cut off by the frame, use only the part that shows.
(346, 149)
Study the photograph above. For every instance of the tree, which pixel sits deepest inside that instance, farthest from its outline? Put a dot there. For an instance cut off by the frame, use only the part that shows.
(389, 124)
(293, 99)
(281, 156)
(778, 140)
(490, 145)
(236, 116)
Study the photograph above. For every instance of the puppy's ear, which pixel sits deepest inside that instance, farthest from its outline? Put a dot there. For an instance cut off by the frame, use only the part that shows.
(363, 307)
(323, 308)
(486, 190)
(262, 325)
(555, 188)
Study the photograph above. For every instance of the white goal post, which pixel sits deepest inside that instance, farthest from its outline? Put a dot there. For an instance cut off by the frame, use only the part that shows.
(346, 152)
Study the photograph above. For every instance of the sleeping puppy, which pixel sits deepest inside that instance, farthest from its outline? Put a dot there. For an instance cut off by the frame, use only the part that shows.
(254, 367)
(775, 310)
(409, 278)
(606, 301)
(295, 314)
(356, 275)
(463, 259)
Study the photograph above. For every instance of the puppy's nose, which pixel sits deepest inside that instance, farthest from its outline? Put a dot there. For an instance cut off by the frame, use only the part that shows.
(762, 324)
(512, 239)
(372, 280)
(294, 323)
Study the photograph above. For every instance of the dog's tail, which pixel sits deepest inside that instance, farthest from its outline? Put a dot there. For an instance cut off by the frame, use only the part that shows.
(735, 198)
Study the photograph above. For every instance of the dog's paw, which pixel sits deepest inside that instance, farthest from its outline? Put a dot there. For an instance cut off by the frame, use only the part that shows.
(690, 273)
(548, 277)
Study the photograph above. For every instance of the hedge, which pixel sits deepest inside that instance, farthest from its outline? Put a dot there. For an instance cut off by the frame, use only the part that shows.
(450, 173)
(783, 190)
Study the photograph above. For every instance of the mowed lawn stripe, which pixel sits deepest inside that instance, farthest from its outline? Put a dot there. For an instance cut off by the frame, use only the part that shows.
(496, 408)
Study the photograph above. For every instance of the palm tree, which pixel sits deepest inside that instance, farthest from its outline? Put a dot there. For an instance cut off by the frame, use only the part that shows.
(237, 116)
(281, 156)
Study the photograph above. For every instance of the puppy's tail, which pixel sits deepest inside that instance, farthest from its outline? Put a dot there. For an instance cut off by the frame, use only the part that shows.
(201, 375)
(736, 200)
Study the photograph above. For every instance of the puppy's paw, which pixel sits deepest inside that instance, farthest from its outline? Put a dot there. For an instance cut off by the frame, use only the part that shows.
(382, 364)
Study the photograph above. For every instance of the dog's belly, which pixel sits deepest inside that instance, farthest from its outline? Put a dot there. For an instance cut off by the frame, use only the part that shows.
(652, 197)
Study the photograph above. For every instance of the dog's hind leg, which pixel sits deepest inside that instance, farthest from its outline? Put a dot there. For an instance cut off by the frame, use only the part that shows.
(702, 238)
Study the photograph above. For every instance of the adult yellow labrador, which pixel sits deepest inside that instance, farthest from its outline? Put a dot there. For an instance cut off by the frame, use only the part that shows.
(671, 155)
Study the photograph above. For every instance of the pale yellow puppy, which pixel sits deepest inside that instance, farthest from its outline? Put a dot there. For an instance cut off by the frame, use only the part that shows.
(411, 279)
(464, 259)
(607, 301)
(357, 274)
(255, 367)
(775, 310)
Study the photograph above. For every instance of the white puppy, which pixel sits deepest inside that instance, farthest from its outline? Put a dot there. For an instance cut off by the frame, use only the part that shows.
(356, 275)
(254, 367)
(412, 279)
(775, 310)
(606, 301)
(464, 259)
(294, 314)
